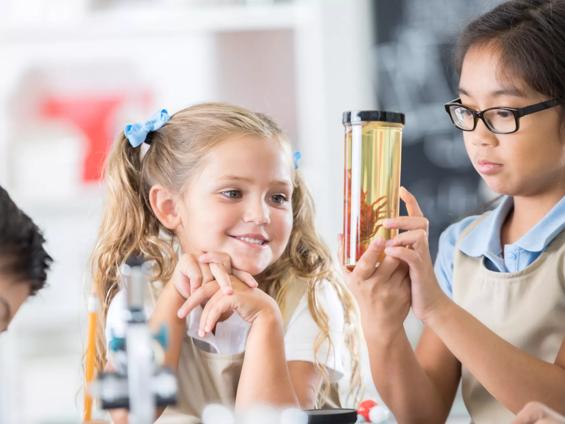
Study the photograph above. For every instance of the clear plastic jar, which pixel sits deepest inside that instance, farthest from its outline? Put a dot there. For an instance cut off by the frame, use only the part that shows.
(373, 151)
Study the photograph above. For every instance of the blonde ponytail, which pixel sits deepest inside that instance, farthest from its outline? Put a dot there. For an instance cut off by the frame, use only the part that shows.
(128, 227)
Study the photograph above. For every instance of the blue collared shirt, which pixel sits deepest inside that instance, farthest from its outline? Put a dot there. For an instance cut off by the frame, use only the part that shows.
(484, 240)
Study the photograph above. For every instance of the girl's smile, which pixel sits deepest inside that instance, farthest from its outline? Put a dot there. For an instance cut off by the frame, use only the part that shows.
(254, 240)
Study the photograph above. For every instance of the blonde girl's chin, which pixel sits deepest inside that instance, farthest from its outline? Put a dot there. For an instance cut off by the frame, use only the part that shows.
(252, 266)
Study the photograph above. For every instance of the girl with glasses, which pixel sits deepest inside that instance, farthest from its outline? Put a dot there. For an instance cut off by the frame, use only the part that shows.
(493, 306)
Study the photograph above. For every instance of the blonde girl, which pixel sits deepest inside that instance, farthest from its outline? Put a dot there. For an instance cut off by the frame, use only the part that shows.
(254, 307)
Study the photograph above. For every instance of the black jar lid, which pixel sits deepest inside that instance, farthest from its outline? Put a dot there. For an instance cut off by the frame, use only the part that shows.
(331, 416)
(356, 116)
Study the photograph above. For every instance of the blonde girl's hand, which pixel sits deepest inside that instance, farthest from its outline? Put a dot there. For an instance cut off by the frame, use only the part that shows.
(191, 272)
(208, 289)
(382, 289)
(411, 247)
(538, 413)
(248, 302)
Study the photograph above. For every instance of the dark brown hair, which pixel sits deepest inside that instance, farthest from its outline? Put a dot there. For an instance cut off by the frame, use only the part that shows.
(531, 37)
(22, 255)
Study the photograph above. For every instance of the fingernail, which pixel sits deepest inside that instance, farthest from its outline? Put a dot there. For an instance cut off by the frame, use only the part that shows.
(388, 250)
(388, 223)
(200, 333)
(180, 314)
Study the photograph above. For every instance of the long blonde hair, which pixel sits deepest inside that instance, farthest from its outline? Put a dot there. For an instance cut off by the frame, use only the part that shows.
(130, 227)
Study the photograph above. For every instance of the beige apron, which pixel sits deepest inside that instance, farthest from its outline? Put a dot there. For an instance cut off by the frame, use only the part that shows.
(525, 308)
(205, 378)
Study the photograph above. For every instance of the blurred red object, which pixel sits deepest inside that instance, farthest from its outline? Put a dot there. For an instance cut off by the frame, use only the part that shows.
(94, 115)
(365, 407)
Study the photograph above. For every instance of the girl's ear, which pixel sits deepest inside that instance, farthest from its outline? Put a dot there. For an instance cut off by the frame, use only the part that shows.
(164, 204)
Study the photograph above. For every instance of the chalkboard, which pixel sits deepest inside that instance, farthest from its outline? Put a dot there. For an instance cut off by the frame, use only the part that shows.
(414, 43)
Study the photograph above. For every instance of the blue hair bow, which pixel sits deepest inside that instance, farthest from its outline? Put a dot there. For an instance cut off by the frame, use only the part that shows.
(137, 133)
(296, 156)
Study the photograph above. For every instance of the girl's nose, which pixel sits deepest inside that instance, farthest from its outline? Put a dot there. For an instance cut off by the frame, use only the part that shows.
(257, 212)
(482, 136)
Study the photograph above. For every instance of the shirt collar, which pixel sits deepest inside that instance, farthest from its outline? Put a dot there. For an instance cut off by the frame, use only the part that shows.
(543, 233)
(484, 239)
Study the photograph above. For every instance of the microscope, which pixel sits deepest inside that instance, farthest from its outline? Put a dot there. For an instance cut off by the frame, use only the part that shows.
(139, 382)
